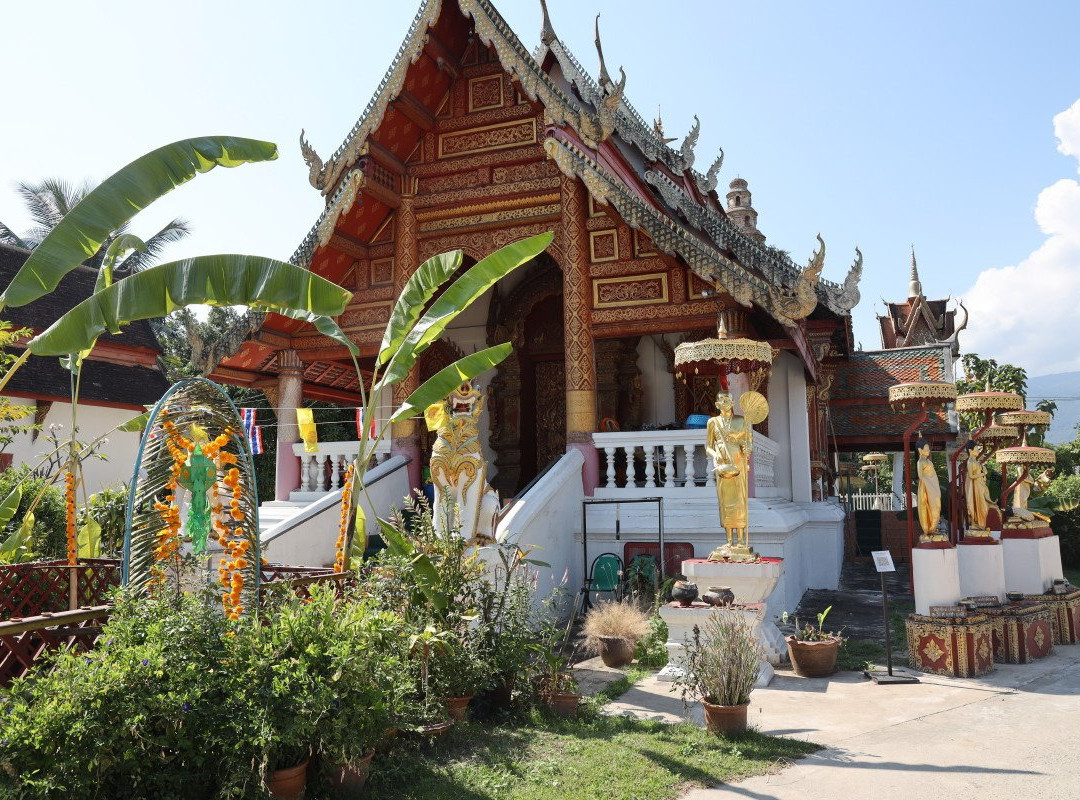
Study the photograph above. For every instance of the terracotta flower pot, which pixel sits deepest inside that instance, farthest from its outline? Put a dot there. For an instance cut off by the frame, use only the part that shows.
(288, 784)
(350, 778)
(616, 651)
(726, 720)
(456, 706)
(502, 695)
(437, 729)
(813, 659)
(564, 704)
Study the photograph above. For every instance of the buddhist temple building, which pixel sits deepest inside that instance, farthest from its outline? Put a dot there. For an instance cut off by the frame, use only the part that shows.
(472, 141)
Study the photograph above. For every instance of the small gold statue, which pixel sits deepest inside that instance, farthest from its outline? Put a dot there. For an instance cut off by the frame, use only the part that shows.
(729, 442)
(1020, 516)
(929, 496)
(976, 493)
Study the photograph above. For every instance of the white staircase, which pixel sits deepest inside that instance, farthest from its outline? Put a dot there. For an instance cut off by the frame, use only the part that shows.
(273, 512)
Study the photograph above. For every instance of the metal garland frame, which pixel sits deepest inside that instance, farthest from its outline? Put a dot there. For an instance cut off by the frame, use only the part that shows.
(200, 401)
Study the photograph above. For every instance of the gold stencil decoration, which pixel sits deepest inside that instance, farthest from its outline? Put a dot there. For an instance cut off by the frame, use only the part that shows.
(754, 406)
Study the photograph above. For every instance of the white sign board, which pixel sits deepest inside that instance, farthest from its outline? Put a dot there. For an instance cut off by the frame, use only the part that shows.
(883, 560)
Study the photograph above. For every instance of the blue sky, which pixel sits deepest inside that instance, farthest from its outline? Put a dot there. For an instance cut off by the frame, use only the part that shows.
(879, 125)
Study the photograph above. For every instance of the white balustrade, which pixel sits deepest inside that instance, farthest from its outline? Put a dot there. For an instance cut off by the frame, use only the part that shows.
(324, 470)
(876, 502)
(642, 460)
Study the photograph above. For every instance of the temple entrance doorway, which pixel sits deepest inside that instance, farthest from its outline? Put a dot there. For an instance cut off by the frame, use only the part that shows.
(543, 389)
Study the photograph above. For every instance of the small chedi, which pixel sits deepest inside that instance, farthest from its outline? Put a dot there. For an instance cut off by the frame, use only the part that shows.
(729, 442)
(464, 502)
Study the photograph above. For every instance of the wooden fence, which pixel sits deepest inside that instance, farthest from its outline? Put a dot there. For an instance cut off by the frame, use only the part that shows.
(34, 599)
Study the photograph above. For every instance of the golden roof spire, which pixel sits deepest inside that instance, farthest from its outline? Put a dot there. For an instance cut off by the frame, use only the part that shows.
(914, 284)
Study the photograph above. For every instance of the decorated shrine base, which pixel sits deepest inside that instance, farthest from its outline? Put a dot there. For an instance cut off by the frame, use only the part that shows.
(961, 647)
(752, 582)
(1064, 610)
(982, 569)
(1022, 632)
(681, 622)
(1031, 564)
(937, 577)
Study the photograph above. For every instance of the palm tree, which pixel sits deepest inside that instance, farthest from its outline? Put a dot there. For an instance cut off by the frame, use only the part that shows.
(51, 199)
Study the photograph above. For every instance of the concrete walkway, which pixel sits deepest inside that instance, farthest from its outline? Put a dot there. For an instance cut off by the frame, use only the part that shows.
(1014, 733)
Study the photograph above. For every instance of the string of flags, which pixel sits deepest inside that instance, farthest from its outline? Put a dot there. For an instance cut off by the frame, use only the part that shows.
(252, 430)
(305, 421)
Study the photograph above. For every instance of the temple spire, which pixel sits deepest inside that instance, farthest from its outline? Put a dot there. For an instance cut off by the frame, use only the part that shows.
(914, 284)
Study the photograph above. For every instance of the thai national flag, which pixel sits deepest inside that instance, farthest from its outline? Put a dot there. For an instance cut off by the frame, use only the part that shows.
(360, 424)
(252, 431)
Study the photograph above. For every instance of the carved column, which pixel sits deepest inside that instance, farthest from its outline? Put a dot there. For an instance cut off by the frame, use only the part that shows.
(406, 435)
(577, 334)
(290, 390)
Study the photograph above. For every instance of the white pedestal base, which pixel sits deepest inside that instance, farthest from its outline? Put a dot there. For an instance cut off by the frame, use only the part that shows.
(681, 622)
(751, 582)
(1032, 565)
(982, 570)
(937, 578)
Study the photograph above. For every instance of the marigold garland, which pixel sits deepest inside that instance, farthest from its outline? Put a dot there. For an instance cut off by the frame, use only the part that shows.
(343, 527)
(229, 570)
(69, 495)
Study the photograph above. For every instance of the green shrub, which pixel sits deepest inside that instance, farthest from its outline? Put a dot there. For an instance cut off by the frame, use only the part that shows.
(109, 509)
(651, 651)
(50, 523)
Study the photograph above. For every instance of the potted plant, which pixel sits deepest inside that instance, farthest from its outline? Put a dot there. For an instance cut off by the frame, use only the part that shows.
(506, 637)
(433, 715)
(722, 664)
(613, 630)
(812, 649)
(558, 689)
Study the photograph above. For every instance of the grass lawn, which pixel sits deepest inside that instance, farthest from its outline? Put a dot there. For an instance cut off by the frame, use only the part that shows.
(582, 759)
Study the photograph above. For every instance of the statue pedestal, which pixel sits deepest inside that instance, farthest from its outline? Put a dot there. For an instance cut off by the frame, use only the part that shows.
(752, 582)
(1022, 632)
(1064, 611)
(982, 568)
(936, 577)
(959, 647)
(1032, 562)
(681, 622)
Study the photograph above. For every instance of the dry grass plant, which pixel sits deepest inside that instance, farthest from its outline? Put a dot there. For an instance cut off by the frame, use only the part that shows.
(722, 659)
(620, 619)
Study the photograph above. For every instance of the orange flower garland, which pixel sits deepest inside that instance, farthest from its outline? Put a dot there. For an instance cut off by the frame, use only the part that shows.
(229, 571)
(343, 527)
(69, 494)
(168, 540)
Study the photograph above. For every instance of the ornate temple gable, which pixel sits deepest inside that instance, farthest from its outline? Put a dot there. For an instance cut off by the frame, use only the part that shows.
(919, 321)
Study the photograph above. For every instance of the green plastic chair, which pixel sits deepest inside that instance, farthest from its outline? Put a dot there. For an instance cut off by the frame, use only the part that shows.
(605, 575)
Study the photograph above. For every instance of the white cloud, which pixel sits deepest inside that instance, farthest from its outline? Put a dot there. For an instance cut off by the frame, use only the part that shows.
(1027, 314)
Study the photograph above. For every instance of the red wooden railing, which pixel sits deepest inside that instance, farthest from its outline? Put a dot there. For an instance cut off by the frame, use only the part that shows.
(34, 600)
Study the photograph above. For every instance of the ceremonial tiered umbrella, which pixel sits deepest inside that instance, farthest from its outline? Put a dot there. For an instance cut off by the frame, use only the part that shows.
(872, 465)
(997, 436)
(724, 355)
(921, 396)
(985, 404)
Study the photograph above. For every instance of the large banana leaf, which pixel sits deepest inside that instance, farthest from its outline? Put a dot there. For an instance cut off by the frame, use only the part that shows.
(83, 230)
(459, 295)
(221, 280)
(439, 385)
(419, 289)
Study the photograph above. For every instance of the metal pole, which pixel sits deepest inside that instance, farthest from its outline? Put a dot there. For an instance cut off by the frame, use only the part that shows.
(885, 614)
(663, 562)
(585, 553)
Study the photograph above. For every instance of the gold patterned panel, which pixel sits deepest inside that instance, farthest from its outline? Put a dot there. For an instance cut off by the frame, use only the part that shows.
(500, 136)
(699, 289)
(643, 245)
(633, 290)
(595, 209)
(382, 271)
(485, 92)
(365, 316)
(603, 246)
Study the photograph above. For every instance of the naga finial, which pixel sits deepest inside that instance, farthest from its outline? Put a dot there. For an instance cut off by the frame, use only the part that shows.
(800, 300)
(689, 143)
(714, 172)
(849, 295)
(316, 170)
(547, 32)
(604, 78)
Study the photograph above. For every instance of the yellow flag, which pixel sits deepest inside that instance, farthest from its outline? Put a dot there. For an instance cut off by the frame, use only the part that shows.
(435, 416)
(306, 422)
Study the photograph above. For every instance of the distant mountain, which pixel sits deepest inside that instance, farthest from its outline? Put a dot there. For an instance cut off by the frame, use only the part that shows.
(1064, 388)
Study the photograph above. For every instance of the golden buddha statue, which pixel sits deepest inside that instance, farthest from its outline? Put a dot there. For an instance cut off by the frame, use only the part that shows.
(976, 493)
(929, 496)
(729, 442)
(1020, 516)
